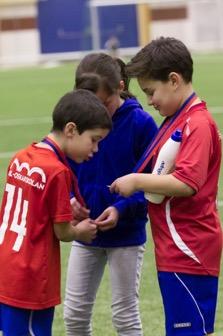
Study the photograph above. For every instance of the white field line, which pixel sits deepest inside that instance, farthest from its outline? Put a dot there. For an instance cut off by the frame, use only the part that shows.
(216, 109)
(44, 120)
(24, 121)
(8, 155)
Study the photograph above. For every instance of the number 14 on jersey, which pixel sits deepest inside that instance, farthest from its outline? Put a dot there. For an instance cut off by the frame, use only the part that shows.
(14, 200)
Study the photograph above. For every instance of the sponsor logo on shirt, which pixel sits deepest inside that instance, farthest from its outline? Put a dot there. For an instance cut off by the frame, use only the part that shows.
(24, 173)
(182, 325)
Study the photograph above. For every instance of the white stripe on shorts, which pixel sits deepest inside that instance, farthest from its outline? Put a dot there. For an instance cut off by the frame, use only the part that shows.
(30, 324)
(193, 298)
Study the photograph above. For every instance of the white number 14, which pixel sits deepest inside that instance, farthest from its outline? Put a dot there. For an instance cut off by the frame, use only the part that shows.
(20, 229)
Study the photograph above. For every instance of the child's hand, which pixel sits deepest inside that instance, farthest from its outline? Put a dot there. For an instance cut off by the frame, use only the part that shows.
(86, 230)
(108, 219)
(125, 185)
(79, 211)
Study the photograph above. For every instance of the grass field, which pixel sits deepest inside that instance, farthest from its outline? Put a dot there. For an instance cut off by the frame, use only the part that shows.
(27, 98)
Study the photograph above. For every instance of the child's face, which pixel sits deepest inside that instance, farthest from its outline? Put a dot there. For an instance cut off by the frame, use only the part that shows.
(81, 147)
(161, 95)
(111, 102)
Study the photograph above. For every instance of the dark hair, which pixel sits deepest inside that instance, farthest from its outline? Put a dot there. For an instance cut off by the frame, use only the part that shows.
(161, 57)
(84, 109)
(99, 70)
(125, 93)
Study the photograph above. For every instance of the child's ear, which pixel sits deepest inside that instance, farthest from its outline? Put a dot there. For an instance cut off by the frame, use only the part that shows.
(70, 129)
(174, 78)
(121, 85)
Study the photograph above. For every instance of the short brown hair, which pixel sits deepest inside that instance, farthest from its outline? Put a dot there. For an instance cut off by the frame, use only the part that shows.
(84, 109)
(161, 57)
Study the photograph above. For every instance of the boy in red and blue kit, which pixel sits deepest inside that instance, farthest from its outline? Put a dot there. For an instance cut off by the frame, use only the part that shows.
(186, 227)
(36, 213)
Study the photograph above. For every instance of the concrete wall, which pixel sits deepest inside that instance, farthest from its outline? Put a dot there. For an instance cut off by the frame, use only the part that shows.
(19, 36)
(198, 23)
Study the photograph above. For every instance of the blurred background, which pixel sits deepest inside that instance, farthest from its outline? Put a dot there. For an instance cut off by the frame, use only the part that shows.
(37, 31)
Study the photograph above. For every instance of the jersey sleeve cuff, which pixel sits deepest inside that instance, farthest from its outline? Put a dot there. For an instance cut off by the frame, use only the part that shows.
(187, 181)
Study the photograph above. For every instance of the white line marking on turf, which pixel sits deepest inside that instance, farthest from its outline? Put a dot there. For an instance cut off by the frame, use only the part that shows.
(216, 109)
(7, 155)
(45, 120)
(25, 121)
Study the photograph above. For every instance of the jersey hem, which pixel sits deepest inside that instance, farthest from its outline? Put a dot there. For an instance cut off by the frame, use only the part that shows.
(189, 270)
(28, 305)
(118, 245)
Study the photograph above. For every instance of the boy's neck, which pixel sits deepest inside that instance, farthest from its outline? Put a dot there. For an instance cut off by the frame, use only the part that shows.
(188, 91)
(56, 138)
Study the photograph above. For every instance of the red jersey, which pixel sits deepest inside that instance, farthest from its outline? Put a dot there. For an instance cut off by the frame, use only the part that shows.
(37, 195)
(187, 230)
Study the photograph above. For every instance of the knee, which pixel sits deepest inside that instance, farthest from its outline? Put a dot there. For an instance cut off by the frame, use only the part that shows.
(77, 319)
(126, 318)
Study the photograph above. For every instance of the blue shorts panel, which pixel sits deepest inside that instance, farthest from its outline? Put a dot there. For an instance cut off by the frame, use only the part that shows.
(0, 317)
(189, 303)
(22, 322)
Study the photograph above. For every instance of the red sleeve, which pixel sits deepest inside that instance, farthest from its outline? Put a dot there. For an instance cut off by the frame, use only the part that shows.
(194, 156)
(59, 197)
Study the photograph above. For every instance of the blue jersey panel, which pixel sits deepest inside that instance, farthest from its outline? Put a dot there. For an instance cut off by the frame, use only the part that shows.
(0, 316)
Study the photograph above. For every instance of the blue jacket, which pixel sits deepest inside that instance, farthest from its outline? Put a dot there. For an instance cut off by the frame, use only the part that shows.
(133, 129)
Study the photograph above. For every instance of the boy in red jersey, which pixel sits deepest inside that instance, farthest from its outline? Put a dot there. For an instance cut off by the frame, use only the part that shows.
(185, 226)
(36, 213)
